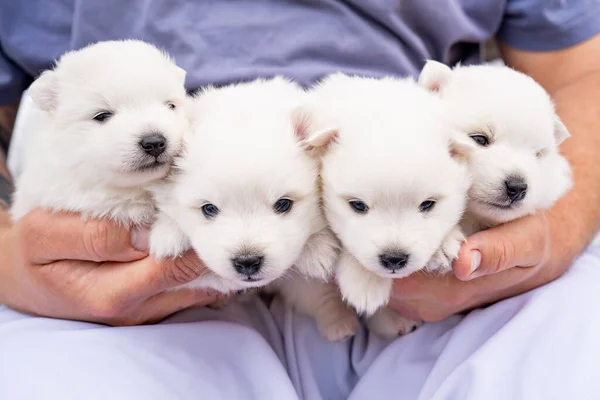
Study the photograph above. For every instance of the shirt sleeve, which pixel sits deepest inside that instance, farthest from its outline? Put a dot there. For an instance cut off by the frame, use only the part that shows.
(13, 80)
(545, 25)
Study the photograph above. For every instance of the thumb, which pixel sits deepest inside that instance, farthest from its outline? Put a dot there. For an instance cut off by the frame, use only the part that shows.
(519, 243)
(162, 305)
(123, 284)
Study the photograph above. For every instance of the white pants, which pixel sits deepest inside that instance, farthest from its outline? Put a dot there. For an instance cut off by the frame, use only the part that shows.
(544, 344)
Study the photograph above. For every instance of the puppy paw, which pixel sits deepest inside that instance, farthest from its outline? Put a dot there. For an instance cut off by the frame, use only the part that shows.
(219, 304)
(362, 289)
(389, 324)
(319, 300)
(448, 252)
(319, 255)
(138, 214)
(337, 325)
(166, 239)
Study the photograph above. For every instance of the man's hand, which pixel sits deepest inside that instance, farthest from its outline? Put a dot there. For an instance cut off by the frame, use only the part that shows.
(521, 243)
(57, 265)
(492, 265)
(527, 253)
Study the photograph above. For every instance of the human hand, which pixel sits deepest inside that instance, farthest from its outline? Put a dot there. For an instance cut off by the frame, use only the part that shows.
(59, 266)
(509, 259)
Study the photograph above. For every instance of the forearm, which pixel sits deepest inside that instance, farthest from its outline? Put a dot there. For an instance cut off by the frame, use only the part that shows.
(7, 119)
(578, 212)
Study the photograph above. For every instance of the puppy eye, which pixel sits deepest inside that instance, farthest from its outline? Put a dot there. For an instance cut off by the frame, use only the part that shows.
(481, 140)
(171, 106)
(427, 205)
(283, 206)
(358, 206)
(102, 116)
(210, 210)
(540, 153)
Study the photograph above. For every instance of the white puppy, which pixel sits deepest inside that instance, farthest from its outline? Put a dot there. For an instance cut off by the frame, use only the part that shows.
(113, 123)
(507, 129)
(392, 192)
(244, 194)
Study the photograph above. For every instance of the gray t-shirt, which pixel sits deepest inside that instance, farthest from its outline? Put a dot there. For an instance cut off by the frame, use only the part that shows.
(222, 41)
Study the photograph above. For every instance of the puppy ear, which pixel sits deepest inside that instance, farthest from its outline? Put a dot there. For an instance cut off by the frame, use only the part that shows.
(321, 137)
(560, 131)
(312, 128)
(44, 91)
(181, 74)
(434, 75)
(460, 146)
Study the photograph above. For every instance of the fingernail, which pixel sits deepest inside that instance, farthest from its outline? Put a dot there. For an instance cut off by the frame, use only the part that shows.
(475, 260)
(140, 238)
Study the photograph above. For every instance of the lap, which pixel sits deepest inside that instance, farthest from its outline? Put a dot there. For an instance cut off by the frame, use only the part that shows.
(216, 356)
(541, 344)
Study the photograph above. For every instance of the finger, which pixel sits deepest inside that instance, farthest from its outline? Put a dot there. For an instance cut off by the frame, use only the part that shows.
(520, 243)
(406, 308)
(107, 292)
(48, 237)
(162, 305)
(431, 297)
(172, 273)
(145, 278)
(168, 303)
(108, 289)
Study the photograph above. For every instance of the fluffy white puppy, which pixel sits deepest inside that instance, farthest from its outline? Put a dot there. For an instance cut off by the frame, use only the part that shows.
(244, 194)
(392, 192)
(113, 123)
(508, 131)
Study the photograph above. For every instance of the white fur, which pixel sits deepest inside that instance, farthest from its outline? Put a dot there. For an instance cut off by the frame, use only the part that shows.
(322, 301)
(518, 117)
(247, 150)
(79, 164)
(392, 151)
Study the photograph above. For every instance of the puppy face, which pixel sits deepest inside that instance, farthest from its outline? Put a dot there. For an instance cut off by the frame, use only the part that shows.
(507, 129)
(245, 188)
(117, 110)
(392, 192)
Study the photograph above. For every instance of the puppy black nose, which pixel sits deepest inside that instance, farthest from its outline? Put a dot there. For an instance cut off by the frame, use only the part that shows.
(516, 188)
(154, 144)
(393, 260)
(248, 264)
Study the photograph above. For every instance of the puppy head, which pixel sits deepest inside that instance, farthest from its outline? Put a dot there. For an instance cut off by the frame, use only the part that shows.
(391, 189)
(116, 109)
(507, 129)
(245, 187)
